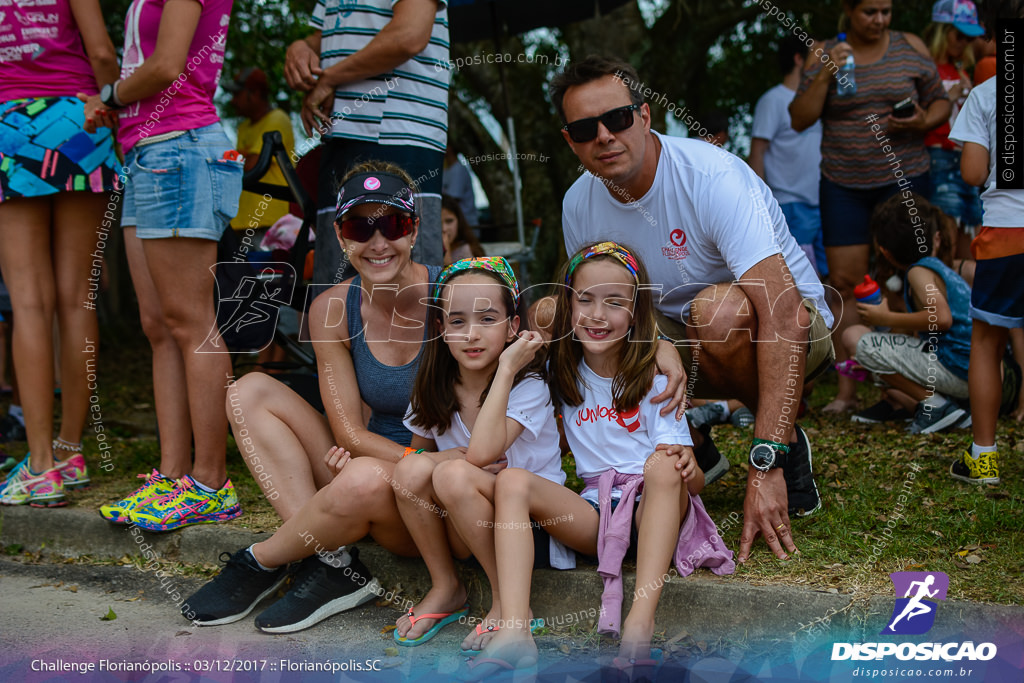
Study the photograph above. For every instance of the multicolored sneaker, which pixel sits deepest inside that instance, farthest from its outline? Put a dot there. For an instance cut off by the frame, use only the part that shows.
(187, 504)
(45, 490)
(156, 487)
(981, 470)
(73, 472)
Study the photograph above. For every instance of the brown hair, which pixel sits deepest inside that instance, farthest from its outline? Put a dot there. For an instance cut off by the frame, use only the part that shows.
(592, 68)
(906, 227)
(637, 364)
(463, 234)
(433, 402)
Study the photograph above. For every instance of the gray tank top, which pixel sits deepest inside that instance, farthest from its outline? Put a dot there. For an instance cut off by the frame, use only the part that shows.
(385, 388)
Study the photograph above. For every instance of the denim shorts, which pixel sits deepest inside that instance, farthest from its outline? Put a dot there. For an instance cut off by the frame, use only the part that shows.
(846, 211)
(949, 191)
(182, 187)
(804, 223)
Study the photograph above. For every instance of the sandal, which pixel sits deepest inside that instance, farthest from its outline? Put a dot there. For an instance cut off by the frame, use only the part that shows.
(444, 618)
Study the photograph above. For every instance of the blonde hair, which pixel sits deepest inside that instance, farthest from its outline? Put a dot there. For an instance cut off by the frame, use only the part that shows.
(935, 36)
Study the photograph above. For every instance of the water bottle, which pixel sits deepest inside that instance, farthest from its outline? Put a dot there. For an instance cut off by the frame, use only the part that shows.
(846, 84)
(868, 292)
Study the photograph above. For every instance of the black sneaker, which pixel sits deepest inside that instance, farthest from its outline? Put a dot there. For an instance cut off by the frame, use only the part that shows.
(233, 593)
(319, 591)
(712, 463)
(928, 420)
(798, 471)
(883, 411)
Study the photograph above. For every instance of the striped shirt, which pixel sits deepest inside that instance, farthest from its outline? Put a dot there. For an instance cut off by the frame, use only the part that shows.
(852, 154)
(405, 106)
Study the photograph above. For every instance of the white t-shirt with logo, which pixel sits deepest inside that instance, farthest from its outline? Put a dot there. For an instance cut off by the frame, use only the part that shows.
(602, 438)
(792, 164)
(707, 219)
(977, 124)
(536, 449)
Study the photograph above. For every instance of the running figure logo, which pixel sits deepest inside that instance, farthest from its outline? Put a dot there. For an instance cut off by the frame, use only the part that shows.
(914, 613)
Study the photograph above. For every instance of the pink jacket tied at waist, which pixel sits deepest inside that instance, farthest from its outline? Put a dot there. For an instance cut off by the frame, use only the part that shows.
(699, 543)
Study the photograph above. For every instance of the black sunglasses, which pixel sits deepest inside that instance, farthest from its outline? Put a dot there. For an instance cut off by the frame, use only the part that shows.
(614, 120)
(394, 226)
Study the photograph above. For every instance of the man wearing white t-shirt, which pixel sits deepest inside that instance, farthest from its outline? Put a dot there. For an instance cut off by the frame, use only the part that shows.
(715, 242)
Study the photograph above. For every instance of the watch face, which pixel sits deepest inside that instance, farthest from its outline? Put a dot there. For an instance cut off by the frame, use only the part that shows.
(762, 456)
(105, 93)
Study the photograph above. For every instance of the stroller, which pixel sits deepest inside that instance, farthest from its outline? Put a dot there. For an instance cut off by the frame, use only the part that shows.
(252, 291)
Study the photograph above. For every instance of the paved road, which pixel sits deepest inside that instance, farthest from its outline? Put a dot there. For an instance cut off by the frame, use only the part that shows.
(50, 616)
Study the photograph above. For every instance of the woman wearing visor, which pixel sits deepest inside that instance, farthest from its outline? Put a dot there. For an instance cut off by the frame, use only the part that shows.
(368, 333)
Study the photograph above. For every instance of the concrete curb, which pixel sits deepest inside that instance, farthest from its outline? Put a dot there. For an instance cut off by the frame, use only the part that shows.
(706, 607)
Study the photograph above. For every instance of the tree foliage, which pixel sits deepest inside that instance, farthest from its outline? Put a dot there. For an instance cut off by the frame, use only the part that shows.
(700, 54)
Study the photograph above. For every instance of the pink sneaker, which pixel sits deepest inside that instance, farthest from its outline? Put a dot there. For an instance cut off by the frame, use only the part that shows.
(851, 368)
(73, 472)
(38, 490)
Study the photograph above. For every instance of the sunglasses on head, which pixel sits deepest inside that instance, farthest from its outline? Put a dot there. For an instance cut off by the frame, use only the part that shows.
(615, 120)
(392, 227)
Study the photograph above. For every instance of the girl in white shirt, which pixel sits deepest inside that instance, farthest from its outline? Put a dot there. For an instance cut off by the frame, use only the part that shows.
(479, 404)
(602, 377)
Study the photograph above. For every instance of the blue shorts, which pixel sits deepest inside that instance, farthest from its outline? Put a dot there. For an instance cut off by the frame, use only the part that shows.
(846, 211)
(949, 191)
(182, 187)
(997, 297)
(804, 223)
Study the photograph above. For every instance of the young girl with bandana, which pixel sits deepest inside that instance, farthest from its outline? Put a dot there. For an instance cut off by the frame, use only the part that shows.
(602, 377)
(479, 405)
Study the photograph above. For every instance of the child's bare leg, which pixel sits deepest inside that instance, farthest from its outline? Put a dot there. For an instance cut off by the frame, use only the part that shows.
(467, 492)
(520, 495)
(987, 344)
(424, 518)
(663, 504)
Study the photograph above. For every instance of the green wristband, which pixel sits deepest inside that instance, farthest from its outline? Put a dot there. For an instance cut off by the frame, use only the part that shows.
(781, 447)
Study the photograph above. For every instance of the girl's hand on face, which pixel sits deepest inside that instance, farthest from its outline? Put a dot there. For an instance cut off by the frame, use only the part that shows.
(519, 354)
(336, 459)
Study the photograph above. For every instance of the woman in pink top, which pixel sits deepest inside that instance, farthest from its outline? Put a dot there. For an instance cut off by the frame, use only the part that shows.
(182, 188)
(54, 184)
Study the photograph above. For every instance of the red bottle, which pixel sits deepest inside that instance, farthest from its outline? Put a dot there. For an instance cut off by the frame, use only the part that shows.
(868, 292)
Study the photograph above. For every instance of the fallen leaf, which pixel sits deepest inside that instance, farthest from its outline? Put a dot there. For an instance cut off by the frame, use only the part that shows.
(564, 649)
(73, 589)
(973, 559)
(391, 652)
(110, 615)
(961, 565)
(183, 633)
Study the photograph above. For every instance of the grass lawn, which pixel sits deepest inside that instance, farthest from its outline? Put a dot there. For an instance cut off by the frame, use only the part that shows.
(973, 534)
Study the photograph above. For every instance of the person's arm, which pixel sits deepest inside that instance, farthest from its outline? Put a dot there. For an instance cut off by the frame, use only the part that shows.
(779, 312)
(97, 43)
(178, 24)
(401, 39)
(758, 148)
(930, 92)
(494, 432)
(302, 62)
(328, 324)
(177, 28)
(974, 164)
(933, 314)
(807, 106)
